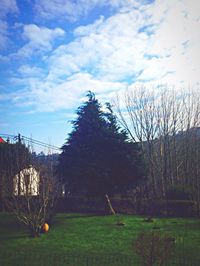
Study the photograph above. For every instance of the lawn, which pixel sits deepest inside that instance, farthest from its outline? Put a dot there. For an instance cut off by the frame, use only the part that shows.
(76, 239)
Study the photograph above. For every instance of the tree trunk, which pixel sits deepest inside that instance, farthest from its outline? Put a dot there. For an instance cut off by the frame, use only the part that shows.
(109, 207)
(35, 232)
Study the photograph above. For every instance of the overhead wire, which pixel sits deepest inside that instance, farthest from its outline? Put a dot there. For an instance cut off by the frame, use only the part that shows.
(30, 141)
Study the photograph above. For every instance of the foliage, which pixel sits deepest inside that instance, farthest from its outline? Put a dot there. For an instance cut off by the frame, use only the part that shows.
(97, 158)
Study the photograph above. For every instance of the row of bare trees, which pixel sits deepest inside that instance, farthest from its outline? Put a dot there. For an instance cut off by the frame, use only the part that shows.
(166, 123)
(28, 188)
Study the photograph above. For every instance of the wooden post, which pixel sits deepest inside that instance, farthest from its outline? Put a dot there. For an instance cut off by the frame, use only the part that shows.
(111, 210)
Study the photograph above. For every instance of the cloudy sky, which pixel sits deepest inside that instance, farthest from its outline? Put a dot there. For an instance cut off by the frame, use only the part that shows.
(53, 51)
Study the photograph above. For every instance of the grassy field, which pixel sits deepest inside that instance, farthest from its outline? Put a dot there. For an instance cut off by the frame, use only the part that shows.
(76, 239)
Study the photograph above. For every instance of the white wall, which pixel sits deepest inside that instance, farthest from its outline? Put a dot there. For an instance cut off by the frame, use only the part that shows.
(29, 182)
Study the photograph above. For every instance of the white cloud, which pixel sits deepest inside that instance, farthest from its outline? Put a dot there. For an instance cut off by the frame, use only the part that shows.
(175, 41)
(51, 9)
(48, 96)
(109, 49)
(73, 10)
(3, 34)
(28, 71)
(8, 6)
(156, 43)
(39, 38)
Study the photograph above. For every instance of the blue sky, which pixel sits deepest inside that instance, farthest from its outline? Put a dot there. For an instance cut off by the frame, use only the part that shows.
(53, 51)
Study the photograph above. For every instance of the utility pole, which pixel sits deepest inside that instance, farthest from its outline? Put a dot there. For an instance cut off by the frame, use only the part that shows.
(18, 164)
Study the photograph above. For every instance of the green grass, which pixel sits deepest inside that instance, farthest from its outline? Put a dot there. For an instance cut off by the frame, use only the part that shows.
(76, 239)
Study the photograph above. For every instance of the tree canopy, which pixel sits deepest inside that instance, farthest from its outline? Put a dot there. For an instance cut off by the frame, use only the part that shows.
(97, 157)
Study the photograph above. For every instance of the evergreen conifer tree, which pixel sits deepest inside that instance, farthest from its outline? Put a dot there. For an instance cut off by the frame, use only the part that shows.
(97, 158)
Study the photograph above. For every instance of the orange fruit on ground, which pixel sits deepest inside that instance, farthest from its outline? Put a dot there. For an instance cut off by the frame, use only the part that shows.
(45, 227)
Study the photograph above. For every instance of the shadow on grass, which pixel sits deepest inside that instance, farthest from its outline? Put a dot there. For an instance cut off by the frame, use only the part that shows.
(12, 237)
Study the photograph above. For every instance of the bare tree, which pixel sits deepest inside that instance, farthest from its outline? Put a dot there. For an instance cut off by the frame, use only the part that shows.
(30, 188)
(166, 122)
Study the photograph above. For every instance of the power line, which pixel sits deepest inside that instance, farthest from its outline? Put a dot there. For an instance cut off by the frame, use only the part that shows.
(30, 140)
(40, 143)
(7, 135)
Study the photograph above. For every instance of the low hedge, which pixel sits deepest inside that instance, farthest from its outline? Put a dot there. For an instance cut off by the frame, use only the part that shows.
(180, 208)
(174, 208)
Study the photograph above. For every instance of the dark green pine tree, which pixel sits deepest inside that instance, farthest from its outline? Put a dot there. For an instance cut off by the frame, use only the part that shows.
(97, 158)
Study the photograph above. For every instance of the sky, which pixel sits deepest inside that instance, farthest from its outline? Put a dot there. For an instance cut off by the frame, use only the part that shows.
(53, 51)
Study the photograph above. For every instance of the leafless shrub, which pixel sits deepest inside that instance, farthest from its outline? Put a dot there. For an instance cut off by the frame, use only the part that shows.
(154, 248)
(29, 188)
